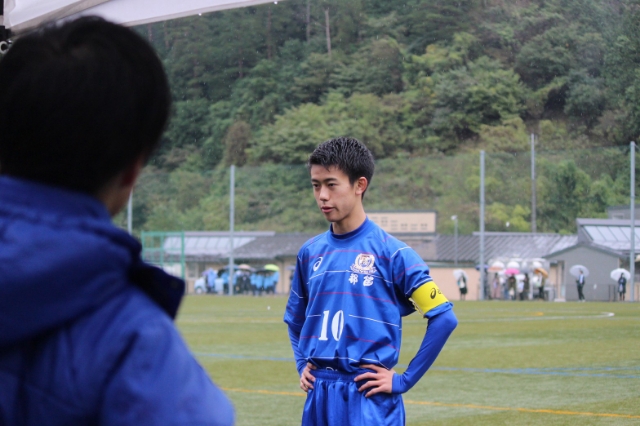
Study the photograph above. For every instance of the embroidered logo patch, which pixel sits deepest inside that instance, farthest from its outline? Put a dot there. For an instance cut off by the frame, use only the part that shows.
(364, 264)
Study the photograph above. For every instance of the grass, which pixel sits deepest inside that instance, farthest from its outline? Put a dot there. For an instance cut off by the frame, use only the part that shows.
(507, 363)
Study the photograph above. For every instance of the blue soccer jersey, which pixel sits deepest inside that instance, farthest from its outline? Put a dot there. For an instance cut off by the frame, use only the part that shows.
(349, 294)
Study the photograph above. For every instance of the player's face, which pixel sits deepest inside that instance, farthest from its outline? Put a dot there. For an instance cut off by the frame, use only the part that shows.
(339, 201)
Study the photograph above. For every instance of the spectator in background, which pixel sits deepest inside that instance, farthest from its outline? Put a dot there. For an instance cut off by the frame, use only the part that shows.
(511, 284)
(622, 286)
(87, 327)
(580, 282)
(462, 286)
(526, 287)
(542, 280)
(211, 275)
(520, 288)
(495, 287)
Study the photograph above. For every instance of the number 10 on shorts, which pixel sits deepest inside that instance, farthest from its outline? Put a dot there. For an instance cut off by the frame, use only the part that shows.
(337, 324)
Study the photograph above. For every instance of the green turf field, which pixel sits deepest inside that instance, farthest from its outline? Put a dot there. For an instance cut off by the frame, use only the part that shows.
(507, 363)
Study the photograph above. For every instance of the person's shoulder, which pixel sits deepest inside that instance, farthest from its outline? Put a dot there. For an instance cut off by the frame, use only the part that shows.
(130, 315)
(150, 365)
(383, 238)
(311, 242)
(391, 245)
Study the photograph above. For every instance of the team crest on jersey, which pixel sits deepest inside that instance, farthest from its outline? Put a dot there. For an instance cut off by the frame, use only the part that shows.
(364, 264)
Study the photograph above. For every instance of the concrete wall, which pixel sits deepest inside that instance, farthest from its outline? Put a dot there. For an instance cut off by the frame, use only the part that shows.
(599, 285)
(443, 277)
(406, 222)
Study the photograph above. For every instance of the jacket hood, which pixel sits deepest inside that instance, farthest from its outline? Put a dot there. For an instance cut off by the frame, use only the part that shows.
(61, 257)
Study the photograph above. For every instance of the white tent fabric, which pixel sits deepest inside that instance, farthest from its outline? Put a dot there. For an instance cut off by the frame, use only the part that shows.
(21, 15)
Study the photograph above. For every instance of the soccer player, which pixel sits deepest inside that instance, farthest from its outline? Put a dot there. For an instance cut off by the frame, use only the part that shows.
(351, 288)
(86, 331)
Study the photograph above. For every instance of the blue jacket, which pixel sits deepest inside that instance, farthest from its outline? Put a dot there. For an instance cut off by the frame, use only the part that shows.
(86, 330)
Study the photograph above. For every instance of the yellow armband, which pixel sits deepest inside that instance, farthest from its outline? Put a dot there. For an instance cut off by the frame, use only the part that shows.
(427, 296)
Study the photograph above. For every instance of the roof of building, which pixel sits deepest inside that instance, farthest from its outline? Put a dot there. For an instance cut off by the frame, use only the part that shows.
(279, 245)
(609, 234)
(501, 245)
(265, 246)
(205, 245)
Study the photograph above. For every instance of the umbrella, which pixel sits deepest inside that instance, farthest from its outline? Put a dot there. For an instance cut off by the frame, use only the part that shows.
(486, 267)
(575, 270)
(457, 273)
(536, 265)
(271, 267)
(615, 274)
(496, 266)
(244, 266)
(513, 264)
(542, 272)
(512, 271)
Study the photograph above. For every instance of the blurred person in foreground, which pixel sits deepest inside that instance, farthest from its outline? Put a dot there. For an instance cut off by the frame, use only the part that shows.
(86, 330)
(351, 288)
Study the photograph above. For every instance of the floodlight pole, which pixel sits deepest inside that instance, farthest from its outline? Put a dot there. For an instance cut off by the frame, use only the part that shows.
(632, 236)
(482, 271)
(232, 190)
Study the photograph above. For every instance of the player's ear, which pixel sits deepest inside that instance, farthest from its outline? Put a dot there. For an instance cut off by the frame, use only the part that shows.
(361, 185)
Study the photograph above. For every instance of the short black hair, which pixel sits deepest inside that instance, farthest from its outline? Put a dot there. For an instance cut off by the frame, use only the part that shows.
(347, 154)
(79, 102)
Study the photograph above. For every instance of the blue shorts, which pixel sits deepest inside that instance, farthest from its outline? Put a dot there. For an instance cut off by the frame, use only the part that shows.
(335, 401)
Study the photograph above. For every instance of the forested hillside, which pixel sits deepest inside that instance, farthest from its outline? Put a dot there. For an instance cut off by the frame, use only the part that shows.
(413, 79)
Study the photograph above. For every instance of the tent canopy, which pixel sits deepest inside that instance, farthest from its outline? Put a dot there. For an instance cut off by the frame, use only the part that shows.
(23, 15)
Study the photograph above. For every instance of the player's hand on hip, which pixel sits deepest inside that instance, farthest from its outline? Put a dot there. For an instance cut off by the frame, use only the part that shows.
(380, 380)
(307, 379)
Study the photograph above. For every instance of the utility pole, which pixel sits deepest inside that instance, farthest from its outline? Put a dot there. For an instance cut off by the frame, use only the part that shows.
(482, 271)
(632, 236)
(455, 238)
(232, 190)
(533, 183)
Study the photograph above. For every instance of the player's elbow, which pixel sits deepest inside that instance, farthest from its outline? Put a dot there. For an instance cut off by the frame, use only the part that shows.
(448, 321)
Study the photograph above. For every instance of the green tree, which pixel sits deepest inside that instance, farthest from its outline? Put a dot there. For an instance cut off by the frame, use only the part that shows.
(295, 134)
(236, 142)
(567, 188)
(376, 68)
(481, 93)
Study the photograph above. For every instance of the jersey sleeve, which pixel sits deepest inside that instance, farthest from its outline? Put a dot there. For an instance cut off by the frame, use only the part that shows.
(294, 315)
(439, 329)
(409, 272)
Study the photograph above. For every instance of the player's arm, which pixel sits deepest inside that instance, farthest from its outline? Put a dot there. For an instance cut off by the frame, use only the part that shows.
(294, 318)
(442, 321)
(430, 301)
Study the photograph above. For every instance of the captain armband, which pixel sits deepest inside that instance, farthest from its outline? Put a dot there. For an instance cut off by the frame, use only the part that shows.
(427, 296)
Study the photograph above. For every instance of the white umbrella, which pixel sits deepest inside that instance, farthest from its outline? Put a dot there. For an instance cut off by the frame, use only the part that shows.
(513, 264)
(575, 270)
(536, 265)
(457, 273)
(496, 266)
(615, 274)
